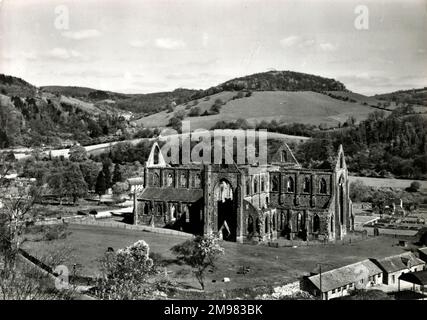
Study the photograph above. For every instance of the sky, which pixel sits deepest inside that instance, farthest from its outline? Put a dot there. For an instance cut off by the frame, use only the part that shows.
(142, 46)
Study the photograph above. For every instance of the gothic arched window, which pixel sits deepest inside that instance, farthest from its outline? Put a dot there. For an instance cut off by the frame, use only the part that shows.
(255, 185)
(316, 223)
(183, 180)
(248, 187)
(274, 184)
(197, 180)
(284, 156)
(262, 184)
(306, 185)
(290, 185)
(322, 186)
(155, 179)
(159, 209)
(156, 155)
(250, 225)
(169, 180)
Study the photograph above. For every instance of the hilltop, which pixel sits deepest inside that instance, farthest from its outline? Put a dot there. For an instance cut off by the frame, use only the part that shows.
(306, 107)
(416, 97)
(57, 115)
(30, 116)
(136, 103)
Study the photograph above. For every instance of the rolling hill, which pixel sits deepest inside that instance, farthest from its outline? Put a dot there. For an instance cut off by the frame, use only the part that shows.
(30, 116)
(413, 96)
(285, 96)
(306, 107)
(51, 114)
(135, 103)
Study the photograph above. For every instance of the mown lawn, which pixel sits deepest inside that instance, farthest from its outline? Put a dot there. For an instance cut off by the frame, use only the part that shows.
(268, 266)
(389, 182)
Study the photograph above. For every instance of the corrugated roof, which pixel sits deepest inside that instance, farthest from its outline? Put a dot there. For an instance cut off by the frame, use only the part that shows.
(399, 262)
(340, 277)
(171, 194)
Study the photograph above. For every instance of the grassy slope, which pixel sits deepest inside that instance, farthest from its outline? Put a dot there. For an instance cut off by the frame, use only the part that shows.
(268, 265)
(388, 183)
(303, 107)
(356, 96)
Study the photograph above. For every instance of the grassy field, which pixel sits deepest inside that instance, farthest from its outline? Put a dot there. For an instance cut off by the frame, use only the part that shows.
(269, 266)
(301, 107)
(388, 183)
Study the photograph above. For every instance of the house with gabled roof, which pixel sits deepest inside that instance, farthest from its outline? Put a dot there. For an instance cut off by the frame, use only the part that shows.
(341, 281)
(394, 266)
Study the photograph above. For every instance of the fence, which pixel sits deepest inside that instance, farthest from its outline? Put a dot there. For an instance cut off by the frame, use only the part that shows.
(120, 225)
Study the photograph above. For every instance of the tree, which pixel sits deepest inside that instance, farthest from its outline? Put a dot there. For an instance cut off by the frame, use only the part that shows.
(90, 170)
(414, 187)
(120, 187)
(194, 112)
(359, 192)
(56, 182)
(74, 184)
(180, 114)
(101, 185)
(117, 174)
(199, 253)
(16, 214)
(78, 153)
(215, 108)
(127, 273)
(175, 123)
(107, 173)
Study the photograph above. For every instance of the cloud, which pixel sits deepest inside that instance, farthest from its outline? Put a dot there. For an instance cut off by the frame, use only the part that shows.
(168, 43)
(305, 42)
(21, 55)
(367, 83)
(298, 42)
(138, 43)
(64, 54)
(289, 41)
(81, 34)
(326, 46)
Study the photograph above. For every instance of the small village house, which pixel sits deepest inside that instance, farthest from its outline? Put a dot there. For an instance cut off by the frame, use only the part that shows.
(393, 267)
(341, 281)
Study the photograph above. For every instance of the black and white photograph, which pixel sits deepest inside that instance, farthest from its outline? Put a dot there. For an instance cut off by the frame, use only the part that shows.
(200, 153)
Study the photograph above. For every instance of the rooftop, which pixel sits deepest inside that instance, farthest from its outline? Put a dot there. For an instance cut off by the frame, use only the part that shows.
(345, 275)
(399, 262)
(419, 277)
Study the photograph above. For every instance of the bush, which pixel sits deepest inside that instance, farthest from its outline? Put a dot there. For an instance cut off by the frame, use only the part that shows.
(56, 232)
(127, 273)
(215, 109)
(199, 253)
(195, 112)
(180, 114)
(414, 187)
(359, 192)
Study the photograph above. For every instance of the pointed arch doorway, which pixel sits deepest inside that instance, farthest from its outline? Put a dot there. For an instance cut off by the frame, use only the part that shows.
(226, 210)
